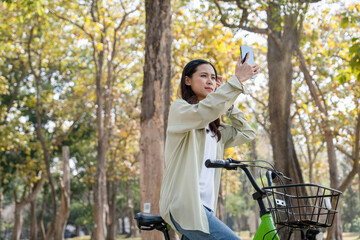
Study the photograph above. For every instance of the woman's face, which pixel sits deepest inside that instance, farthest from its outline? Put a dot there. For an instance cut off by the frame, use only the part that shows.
(203, 81)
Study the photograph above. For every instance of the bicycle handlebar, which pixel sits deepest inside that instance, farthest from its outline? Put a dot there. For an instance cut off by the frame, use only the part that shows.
(229, 164)
(232, 164)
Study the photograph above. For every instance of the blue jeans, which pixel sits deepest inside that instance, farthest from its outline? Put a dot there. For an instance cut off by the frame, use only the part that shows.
(218, 230)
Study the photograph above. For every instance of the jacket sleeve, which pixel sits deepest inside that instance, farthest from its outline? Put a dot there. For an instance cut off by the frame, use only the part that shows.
(239, 132)
(184, 116)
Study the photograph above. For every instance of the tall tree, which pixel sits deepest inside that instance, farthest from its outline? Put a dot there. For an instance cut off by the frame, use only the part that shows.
(102, 24)
(281, 22)
(33, 34)
(155, 103)
(325, 88)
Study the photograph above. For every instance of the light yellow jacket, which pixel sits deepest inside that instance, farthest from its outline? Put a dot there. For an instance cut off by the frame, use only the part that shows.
(184, 152)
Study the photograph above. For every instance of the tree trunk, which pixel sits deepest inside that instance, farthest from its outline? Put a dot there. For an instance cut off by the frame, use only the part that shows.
(221, 208)
(19, 206)
(279, 57)
(45, 151)
(99, 188)
(18, 221)
(256, 208)
(112, 216)
(335, 232)
(33, 224)
(64, 209)
(40, 219)
(155, 104)
(130, 205)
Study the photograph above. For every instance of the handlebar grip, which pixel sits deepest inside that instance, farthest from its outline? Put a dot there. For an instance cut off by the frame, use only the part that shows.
(216, 163)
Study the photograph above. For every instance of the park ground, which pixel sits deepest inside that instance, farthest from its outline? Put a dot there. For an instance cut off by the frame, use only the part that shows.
(244, 236)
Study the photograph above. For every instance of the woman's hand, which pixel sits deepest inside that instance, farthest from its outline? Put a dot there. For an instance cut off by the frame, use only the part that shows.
(244, 71)
(219, 81)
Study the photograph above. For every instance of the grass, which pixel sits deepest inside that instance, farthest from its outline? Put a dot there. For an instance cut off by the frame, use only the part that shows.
(244, 236)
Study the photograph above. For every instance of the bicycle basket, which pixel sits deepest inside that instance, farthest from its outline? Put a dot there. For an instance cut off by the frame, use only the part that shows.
(302, 205)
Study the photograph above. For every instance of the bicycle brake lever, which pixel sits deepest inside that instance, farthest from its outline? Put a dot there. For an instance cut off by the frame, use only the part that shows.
(285, 177)
(231, 160)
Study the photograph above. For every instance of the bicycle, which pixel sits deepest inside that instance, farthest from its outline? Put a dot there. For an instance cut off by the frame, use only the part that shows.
(286, 205)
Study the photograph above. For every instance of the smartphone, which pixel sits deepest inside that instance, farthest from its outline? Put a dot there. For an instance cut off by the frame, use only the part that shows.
(244, 51)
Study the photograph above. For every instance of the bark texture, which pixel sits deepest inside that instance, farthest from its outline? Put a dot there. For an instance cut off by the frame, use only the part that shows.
(112, 216)
(19, 207)
(64, 209)
(33, 224)
(155, 104)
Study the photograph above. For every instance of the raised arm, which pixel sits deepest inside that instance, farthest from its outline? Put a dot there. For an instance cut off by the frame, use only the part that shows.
(184, 116)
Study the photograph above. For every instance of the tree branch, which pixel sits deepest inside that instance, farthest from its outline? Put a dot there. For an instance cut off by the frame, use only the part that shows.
(61, 138)
(356, 155)
(309, 80)
(84, 30)
(242, 23)
(29, 52)
(257, 100)
(72, 22)
(342, 150)
(94, 8)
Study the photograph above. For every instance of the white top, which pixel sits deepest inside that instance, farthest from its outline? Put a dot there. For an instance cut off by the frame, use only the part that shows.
(207, 181)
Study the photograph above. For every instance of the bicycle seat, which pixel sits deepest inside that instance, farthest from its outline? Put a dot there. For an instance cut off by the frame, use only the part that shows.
(148, 221)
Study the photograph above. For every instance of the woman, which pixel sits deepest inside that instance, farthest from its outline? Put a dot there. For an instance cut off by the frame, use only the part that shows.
(189, 191)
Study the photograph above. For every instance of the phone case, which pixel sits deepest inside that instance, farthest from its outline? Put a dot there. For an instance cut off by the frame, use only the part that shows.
(247, 50)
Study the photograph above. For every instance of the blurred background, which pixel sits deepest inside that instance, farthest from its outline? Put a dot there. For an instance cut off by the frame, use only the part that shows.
(85, 88)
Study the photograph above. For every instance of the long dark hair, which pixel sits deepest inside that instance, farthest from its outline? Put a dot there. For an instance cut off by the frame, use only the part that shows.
(188, 95)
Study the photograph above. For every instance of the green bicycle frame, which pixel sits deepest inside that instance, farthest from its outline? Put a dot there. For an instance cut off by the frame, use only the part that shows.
(267, 229)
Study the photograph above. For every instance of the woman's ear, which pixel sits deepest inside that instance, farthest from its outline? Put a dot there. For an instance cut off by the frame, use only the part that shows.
(187, 81)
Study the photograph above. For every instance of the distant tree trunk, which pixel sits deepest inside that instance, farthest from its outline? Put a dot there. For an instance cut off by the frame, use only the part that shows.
(254, 156)
(19, 207)
(99, 186)
(40, 219)
(221, 208)
(130, 205)
(112, 216)
(45, 150)
(64, 209)
(155, 104)
(18, 221)
(33, 221)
